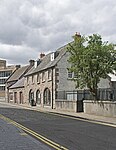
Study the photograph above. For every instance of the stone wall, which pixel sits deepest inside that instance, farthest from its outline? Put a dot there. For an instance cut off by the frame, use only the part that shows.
(17, 95)
(64, 84)
(102, 108)
(41, 86)
(66, 105)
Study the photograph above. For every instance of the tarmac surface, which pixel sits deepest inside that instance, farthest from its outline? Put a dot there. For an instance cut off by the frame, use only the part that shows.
(15, 138)
(110, 120)
(82, 115)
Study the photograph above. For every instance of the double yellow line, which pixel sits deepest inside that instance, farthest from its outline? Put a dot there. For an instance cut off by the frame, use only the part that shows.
(38, 136)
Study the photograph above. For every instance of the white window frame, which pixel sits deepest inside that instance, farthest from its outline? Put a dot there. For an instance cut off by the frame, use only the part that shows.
(43, 76)
(70, 74)
(38, 78)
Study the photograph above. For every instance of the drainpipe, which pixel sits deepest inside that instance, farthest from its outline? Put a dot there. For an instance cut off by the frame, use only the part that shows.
(52, 89)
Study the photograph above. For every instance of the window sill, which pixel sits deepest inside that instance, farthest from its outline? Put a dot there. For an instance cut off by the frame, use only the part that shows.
(43, 81)
(69, 78)
(49, 80)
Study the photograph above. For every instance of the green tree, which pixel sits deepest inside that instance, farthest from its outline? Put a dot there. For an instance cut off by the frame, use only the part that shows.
(91, 59)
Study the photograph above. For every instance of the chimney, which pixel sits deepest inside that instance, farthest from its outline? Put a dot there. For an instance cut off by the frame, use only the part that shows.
(42, 55)
(18, 66)
(31, 62)
(77, 34)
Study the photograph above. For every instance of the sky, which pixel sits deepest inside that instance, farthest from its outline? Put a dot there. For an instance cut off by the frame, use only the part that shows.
(31, 27)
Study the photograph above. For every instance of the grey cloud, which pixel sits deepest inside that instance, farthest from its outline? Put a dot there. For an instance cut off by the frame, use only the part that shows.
(17, 54)
(33, 26)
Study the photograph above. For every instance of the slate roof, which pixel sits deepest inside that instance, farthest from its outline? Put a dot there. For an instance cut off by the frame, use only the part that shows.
(18, 84)
(46, 61)
(18, 73)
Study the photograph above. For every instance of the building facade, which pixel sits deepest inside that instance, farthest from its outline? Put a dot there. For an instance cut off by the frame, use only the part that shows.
(5, 72)
(15, 84)
(48, 83)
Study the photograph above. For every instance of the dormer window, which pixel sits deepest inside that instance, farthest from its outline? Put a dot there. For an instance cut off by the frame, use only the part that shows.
(52, 56)
(37, 62)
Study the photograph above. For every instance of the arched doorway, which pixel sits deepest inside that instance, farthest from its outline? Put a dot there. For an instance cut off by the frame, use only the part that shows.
(38, 97)
(47, 97)
(31, 95)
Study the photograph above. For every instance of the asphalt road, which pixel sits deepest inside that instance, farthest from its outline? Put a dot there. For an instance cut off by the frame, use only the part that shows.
(13, 138)
(70, 133)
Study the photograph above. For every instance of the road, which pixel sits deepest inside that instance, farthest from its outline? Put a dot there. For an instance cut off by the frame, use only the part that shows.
(73, 134)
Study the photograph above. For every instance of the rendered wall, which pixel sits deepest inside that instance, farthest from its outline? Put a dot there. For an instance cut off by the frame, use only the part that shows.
(66, 105)
(104, 108)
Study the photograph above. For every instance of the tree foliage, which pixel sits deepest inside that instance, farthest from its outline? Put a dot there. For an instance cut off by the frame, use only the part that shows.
(91, 59)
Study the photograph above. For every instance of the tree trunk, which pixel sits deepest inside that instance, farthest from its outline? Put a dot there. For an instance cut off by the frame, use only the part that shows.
(94, 93)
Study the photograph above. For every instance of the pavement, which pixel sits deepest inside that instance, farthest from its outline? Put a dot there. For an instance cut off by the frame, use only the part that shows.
(80, 115)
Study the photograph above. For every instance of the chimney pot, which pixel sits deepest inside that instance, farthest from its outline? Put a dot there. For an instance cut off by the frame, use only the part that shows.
(42, 55)
(31, 62)
(78, 34)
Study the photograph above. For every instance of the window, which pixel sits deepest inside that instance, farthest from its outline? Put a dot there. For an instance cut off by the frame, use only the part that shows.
(70, 74)
(2, 88)
(75, 75)
(49, 74)
(32, 78)
(10, 96)
(2, 81)
(31, 95)
(38, 78)
(5, 73)
(2, 74)
(21, 97)
(47, 97)
(15, 97)
(27, 80)
(38, 97)
(8, 73)
(43, 76)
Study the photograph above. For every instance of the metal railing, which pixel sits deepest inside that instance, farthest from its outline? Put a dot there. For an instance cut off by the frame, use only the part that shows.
(102, 94)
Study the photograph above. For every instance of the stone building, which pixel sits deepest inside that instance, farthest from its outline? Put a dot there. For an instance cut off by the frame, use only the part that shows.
(5, 72)
(47, 82)
(47, 77)
(15, 84)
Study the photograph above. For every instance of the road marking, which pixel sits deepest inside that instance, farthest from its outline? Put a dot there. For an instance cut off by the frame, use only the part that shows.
(38, 136)
(72, 117)
(23, 134)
